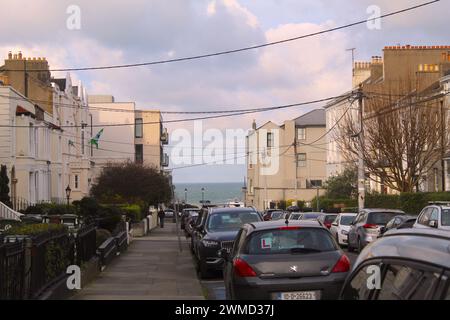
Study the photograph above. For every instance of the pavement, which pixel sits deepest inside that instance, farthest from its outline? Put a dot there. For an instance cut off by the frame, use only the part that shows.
(153, 268)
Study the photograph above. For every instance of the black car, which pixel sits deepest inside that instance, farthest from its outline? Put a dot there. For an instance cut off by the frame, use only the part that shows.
(218, 231)
(404, 264)
(186, 214)
(399, 222)
(276, 260)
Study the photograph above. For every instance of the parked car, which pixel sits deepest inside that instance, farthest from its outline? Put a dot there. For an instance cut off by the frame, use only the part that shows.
(218, 231)
(327, 219)
(399, 222)
(273, 214)
(295, 216)
(405, 264)
(367, 226)
(340, 227)
(310, 215)
(279, 261)
(185, 214)
(434, 216)
(169, 213)
(190, 221)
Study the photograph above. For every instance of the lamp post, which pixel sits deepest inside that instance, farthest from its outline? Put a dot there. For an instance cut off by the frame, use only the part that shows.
(185, 195)
(68, 191)
(203, 196)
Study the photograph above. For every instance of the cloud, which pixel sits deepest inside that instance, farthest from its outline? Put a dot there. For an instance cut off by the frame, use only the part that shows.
(151, 30)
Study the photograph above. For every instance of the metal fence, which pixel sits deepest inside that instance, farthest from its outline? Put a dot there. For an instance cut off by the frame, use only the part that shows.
(12, 261)
(85, 243)
(51, 254)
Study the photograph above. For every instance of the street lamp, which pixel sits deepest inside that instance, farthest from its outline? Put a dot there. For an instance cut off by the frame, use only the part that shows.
(203, 196)
(185, 195)
(68, 191)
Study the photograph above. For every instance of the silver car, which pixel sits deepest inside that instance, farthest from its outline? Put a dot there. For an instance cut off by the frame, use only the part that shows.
(435, 216)
(367, 226)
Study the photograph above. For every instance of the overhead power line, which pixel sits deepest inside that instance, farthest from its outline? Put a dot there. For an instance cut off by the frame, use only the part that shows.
(236, 113)
(247, 48)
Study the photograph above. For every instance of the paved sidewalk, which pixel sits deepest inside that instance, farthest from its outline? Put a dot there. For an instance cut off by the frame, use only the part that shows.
(152, 268)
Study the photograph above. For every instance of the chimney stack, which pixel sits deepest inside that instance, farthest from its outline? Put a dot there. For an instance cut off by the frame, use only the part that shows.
(254, 124)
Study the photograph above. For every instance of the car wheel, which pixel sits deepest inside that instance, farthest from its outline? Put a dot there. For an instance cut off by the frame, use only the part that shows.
(203, 270)
(349, 245)
(360, 246)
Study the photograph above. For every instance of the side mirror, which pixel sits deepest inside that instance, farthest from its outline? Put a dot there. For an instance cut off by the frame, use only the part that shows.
(382, 230)
(223, 253)
(433, 223)
(334, 224)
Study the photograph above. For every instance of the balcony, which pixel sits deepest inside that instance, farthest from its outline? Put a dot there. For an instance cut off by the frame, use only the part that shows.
(165, 160)
(165, 137)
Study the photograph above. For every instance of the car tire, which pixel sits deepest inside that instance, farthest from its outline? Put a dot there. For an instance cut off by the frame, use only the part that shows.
(360, 246)
(203, 270)
(349, 246)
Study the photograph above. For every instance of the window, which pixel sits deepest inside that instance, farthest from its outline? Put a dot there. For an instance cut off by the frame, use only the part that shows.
(296, 241)
(139, 153)
(301, 160)
(424, 218)
(82, 142)
(357, 288)
(269, 139)
(76, 182)
(403, 282)
(315, 183)
(445, 217)
(301, 133)
(138, 128)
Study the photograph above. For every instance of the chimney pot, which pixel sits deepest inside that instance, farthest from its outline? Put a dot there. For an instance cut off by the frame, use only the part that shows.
(20, 55)
(10, 55)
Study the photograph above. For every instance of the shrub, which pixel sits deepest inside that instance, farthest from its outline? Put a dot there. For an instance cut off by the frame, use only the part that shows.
(35, 229)
(87, 207)
(101, 235)
(109, 217)
(50, 209)
(386, 201)
(327, 204)
(134, 212)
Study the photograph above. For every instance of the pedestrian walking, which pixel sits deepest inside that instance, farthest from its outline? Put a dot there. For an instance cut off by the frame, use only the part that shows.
(161, 216)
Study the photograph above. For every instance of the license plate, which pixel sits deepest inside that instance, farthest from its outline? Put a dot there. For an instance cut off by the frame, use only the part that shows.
(299, 295)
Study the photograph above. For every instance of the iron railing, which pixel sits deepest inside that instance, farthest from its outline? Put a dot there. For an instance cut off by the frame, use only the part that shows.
(12, 263)
(85, 243)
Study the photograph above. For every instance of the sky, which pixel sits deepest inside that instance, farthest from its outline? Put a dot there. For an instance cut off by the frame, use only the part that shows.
(117, 32)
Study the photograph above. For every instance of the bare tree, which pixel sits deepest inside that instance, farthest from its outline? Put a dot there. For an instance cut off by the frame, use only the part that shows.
(402, 138)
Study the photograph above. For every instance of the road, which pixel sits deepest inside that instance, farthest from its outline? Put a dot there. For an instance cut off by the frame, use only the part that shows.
(215, 289)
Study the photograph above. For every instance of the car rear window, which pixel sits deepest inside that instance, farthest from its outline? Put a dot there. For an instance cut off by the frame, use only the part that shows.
(276, 214)
(346, 220)
(330, 218)
(381, 217)
(231, 221)
(295, 241)
(295, 216)
(445, 218)
(310, 216)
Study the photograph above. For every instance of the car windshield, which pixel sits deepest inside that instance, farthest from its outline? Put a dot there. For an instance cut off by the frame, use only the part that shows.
(290, 241)
(310, 216)
(330, 218)
(230, 221)
(445, 218)
(277, 214)
(295, 216)
(381, 218)
(347, 220)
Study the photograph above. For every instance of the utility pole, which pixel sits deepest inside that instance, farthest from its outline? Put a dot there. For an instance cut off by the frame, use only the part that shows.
(353, 60)
(361, 171)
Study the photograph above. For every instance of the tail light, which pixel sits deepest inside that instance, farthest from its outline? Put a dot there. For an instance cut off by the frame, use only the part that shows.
(243, 269)
(343, 265)
(370, 226)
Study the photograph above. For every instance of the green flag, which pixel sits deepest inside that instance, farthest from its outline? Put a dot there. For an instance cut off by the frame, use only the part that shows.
(95, 139)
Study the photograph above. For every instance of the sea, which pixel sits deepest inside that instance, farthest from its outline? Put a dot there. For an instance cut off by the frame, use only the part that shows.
(215, 192)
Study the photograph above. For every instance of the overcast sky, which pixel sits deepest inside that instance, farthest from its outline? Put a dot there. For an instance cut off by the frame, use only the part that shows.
(115, 32)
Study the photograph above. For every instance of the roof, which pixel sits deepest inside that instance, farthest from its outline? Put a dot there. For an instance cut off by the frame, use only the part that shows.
(383, 210)
(267, 225)
(430, 246)
(231, 209)
(313, 118)
(409, 47)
